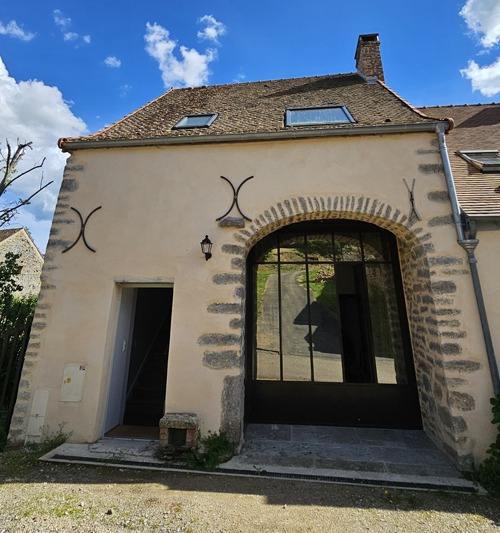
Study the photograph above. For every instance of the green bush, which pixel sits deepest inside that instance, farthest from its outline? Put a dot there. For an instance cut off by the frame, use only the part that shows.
(488, 473)
(15, 322)
(216, 448)
(15, 311)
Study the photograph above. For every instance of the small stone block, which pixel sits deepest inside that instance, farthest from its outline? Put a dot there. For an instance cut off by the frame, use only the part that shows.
(179, 421)
(191, 437)
(163, 437)
(232, 222)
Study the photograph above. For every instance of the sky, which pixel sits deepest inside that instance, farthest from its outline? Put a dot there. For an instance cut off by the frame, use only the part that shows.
(71, 68)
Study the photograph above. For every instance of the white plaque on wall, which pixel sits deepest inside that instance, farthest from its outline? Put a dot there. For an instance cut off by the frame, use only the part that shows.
(73, 381)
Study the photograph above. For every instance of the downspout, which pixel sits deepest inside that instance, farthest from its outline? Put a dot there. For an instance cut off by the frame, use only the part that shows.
(466, 237)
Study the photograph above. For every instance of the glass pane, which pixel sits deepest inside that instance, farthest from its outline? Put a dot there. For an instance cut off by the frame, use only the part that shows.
(325, 320)
(295, 324)
(319, 115)
(386, 330)
(375, 247)
(266, 251)
(347, 247)
(319, 248)
(293, 248)
(486, 158)
(267, 330)
(195, 121)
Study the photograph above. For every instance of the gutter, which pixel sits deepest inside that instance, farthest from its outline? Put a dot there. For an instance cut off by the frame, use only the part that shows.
(466, 237)
(67, 145)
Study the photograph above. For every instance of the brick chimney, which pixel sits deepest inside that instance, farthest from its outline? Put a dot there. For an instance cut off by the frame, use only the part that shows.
(367, 56)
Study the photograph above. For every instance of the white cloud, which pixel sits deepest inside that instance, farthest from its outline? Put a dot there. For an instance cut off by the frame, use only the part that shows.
(64, 23)
(14, 30)
(483, 18)
(33, 111)
(113, 62)
(70, 36)
(486, 80)
(60, 19)
(213, 29)
(191, 70)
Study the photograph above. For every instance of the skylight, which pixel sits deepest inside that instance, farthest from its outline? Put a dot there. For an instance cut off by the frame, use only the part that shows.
(313, 116)
(195, 121)
(484, 160)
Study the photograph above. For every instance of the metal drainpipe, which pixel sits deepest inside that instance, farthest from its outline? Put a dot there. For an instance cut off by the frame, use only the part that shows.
(468, 243)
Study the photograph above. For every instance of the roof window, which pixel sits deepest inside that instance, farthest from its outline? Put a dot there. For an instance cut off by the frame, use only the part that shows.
(195, 121)
(484, 160)
(313, 116)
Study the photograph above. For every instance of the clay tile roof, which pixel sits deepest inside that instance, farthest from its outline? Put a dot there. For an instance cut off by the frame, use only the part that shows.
(257, 107)
(477, 127)
(6, 233)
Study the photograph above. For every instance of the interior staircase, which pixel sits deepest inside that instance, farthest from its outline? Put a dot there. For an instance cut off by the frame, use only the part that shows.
(145, 401)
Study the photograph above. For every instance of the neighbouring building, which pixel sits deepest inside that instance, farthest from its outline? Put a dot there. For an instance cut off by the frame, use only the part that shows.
(18, 241)
(335, 291)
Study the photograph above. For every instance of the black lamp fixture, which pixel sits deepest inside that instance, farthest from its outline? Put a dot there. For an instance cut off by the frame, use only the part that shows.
(206, 247)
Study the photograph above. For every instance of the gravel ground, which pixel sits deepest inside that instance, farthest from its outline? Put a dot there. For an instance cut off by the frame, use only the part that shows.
(37, 496)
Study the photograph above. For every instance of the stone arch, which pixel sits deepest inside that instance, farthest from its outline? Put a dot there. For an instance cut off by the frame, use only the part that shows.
(433, 339)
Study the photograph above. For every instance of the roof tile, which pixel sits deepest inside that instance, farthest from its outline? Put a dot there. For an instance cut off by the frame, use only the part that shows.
(256, 107)
(477, 127)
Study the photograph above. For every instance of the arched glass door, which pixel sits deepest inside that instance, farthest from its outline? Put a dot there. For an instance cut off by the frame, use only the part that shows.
(327, 330)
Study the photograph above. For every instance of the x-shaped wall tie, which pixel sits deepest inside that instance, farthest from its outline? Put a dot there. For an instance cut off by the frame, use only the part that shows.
(81, 235)
(235, 199)
(413, 211)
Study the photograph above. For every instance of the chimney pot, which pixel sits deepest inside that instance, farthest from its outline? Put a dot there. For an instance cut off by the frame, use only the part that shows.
(367, 56)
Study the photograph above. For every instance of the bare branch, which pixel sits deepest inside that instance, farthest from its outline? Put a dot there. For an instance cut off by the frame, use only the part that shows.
(7, 213)
(10, 162)
(34, 167)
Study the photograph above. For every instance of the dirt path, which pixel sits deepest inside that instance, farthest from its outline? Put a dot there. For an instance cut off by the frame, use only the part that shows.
(75, 498)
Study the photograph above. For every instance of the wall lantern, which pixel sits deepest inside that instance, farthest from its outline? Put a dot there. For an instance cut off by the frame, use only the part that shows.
(206, 247)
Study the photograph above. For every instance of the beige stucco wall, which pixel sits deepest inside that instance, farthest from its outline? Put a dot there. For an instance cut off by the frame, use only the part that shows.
(488, 257)
(158, 203)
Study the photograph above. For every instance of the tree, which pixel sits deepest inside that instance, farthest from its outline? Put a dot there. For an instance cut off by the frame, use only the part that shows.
(9, 175)
(9, 270)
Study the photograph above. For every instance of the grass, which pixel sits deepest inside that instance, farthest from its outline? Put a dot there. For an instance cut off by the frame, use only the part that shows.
(216, 448)
(322, 284)
(263, 274)
(17, 461)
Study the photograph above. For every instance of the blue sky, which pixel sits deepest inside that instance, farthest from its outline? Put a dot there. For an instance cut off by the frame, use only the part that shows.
(71, 68)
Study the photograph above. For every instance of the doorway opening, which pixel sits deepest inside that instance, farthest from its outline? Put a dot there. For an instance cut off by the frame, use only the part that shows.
(327, 329)
(137, 390)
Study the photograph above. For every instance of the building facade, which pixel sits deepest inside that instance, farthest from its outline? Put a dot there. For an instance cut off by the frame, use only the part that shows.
(335, 292)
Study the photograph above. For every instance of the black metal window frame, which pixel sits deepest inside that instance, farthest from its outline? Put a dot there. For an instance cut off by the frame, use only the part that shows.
(330, 227)
(484, 160)
(185, 123)
(290, 122)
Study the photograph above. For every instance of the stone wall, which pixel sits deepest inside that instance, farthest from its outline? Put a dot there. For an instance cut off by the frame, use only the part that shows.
(430, 284)
(31, 260)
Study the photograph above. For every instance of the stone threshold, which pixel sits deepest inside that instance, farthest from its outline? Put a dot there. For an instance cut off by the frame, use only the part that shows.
(141, 454)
